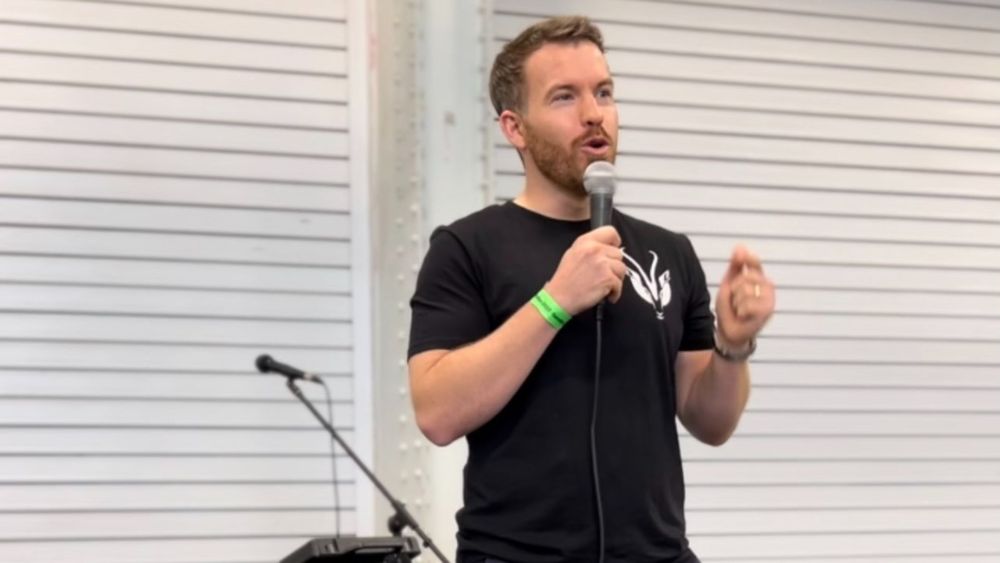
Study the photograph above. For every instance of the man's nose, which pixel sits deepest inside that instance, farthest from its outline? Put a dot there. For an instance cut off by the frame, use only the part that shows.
(590, 111)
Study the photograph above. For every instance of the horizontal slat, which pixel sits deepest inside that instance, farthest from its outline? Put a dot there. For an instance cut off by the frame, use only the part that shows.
(114, 272)
(899, 303)
(899, 399)
(171, 106)
(841, 521)
(193, 386)
(826, 448)
(172, 358)
(908, 374)
(725, 121)
(888, 496)
(782, 174)
(326, 9)
(174, 497)
(810, 226)
(40, 470)
(116, 526)
(811, 202)
(778, 99)
(120, 74)
(194, 136)
(172, 162)
(873, 350)
(182, 191)
(709, 43)
(329, 9)
(251, 548)
(240, 332)
(176, 50)
(869, 277)
(318, 224)
(856, 326)
(716, 18)
(153, 19)
(127, 412)
(816, 472)
(184, 247)
(961, 14)
(111, 442)
(856, 422)
(809, 152)
(853, 547)
(718, 247)
(218, 305)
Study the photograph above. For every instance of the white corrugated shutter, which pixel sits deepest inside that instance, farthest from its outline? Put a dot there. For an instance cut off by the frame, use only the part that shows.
(175, 198)
(856, 146)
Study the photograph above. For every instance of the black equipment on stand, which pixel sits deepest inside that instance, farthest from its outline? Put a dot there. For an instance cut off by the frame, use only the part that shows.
(394, 549)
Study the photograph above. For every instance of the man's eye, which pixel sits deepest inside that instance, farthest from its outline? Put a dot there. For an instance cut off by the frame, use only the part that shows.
(606, 93)
(562, 97)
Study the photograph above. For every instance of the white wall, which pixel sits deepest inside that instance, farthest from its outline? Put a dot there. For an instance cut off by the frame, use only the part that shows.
(183, 187)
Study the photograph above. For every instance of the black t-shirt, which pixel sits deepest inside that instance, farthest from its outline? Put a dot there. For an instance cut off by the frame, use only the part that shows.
(528, 491)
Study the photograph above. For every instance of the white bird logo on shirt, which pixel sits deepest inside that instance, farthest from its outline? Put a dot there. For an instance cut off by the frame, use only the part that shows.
(652, 289)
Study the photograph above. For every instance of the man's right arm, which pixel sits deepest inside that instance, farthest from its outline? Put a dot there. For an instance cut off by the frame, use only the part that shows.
(456, 391)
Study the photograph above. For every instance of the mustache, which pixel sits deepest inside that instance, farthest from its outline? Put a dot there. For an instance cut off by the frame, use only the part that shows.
(597, 133)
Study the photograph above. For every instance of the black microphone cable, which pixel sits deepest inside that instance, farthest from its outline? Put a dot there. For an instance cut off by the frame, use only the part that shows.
(599, 179)
(333, 460)
(599, 313)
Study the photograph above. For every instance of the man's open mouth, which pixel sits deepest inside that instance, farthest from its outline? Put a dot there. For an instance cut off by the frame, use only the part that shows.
(595, 145)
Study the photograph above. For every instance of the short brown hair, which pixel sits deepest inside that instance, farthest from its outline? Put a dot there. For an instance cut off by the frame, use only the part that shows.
(507, 74)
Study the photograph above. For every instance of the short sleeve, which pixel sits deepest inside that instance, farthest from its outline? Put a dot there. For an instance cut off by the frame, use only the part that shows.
(447, 309)
(699, 322)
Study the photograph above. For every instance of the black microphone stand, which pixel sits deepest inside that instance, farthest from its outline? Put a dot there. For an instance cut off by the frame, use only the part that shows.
(402, 518)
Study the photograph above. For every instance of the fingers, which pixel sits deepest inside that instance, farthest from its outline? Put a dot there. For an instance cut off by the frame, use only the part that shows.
(616, 291)
(742, 260)
(751, 295)
(590, 271)
(617, 268)
(605, 235)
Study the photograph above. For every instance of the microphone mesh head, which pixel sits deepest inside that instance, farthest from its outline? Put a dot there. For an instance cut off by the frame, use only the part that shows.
(600, 178)
(263, 363)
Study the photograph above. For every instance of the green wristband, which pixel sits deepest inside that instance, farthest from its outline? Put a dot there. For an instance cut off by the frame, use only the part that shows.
(550, 310)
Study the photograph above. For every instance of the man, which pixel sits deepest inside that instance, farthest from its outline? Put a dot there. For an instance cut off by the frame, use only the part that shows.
(502, 344)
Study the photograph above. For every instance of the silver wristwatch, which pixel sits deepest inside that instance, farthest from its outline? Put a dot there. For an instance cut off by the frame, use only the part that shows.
(735, 356)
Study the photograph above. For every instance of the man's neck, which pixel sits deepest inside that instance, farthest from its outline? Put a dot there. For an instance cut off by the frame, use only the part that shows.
(545, 198)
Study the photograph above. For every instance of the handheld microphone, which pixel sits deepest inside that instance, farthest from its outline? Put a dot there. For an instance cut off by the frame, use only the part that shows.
(599, 180)
(266, 364)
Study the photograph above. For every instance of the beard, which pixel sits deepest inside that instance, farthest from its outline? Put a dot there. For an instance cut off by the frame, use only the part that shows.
(560, 165)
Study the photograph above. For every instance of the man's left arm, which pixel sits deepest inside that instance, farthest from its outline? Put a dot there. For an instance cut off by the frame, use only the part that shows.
(712, 390)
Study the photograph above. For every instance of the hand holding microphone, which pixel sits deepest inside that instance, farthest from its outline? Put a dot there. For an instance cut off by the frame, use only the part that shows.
(592, 269)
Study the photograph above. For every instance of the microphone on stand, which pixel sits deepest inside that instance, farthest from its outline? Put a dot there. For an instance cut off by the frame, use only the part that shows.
(397, 548)
(266, 364)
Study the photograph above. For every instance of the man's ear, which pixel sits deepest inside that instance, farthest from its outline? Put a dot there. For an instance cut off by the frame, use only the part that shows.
(512, 127)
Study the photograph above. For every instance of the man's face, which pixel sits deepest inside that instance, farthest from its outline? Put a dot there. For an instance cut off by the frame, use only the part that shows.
(570, 118)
